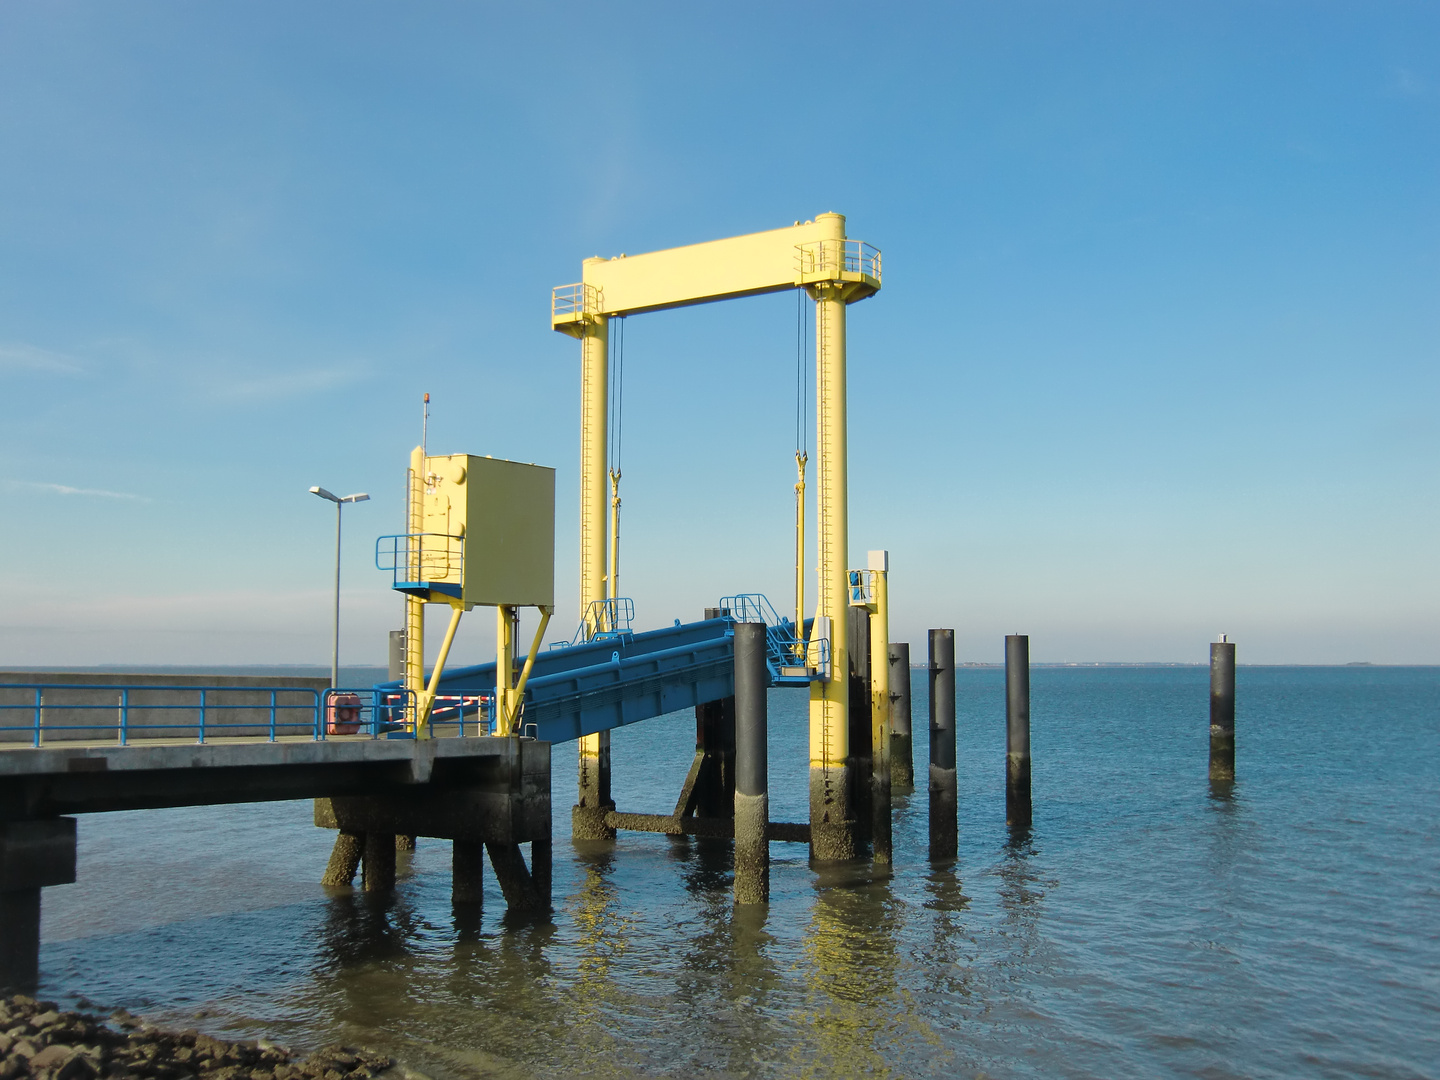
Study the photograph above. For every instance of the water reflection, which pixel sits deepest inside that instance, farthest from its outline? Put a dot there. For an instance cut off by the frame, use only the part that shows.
(1019, 840)
(1227, 845)
(854, 1016)
(728, 988)
(602, 939)
(468, 921)
(365, 928)
(706, 865)
(946, 958)
(1020, 899)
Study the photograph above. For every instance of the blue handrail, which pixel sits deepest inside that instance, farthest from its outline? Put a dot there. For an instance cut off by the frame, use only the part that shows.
(210, 712)
(609, 618)
(785, 648)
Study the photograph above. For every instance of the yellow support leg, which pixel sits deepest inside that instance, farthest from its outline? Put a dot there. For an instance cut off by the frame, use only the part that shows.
(506, 620)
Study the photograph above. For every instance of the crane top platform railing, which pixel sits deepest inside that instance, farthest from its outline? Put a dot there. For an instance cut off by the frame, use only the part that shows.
(821, 260)
(573, 303)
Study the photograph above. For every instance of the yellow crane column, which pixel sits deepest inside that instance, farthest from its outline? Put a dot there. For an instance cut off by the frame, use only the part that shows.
(588, 815)
(832, 824)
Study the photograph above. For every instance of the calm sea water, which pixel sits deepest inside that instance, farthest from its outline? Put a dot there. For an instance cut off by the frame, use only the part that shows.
(1146, 926)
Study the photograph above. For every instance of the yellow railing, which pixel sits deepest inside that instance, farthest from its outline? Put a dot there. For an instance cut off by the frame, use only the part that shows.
(569, 303)
(824, 260)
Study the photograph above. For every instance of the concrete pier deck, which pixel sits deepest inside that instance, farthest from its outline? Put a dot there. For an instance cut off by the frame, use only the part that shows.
(82, 778)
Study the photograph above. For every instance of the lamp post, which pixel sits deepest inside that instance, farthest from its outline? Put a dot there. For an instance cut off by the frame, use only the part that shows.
(339, 505)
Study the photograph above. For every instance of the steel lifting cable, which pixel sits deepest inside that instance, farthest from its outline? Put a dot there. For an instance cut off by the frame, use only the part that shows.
(617, 391)
(801, 387)
(802, 457)
(617, 431)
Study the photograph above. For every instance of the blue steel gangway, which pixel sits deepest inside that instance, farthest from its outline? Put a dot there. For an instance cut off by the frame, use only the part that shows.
(621, 677)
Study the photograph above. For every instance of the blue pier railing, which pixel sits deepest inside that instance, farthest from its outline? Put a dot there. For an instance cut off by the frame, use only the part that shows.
(38, 713)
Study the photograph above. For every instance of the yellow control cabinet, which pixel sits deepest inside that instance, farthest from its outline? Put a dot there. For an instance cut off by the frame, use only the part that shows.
(487, 531)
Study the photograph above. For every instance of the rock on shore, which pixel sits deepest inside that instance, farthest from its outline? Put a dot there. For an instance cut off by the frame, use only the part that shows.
(40, 1042)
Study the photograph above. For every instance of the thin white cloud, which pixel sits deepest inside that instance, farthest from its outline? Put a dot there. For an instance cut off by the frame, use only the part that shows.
(1406, 83)
(251, 626)
(279, 386)
(66, 489)
(18, 356)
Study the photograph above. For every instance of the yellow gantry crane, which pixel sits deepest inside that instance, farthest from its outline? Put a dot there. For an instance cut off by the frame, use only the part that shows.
(835, 271)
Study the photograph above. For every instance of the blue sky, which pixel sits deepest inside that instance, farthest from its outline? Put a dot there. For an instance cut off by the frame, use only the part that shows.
(1156, 355)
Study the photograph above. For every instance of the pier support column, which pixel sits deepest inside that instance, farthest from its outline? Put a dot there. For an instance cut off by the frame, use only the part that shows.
(709, 788)
(1017, 730)
(944, 791)
(505, 802)
(587, 819)
(902, 753)
(344, 860)
(516, 881)
(862, 756)
(879, 663)
(714, 765)
(752, 784)
(467, 872)
(33, 854)
(377, 867)
(542, 855)
(1222, 709)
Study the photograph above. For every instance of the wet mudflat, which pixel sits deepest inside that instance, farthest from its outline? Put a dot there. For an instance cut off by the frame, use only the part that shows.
(1147, 925)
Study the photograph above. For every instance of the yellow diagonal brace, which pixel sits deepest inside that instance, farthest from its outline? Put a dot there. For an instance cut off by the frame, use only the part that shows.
(422, 714)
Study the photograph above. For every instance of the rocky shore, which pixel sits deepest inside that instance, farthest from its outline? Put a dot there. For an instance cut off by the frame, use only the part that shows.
(39, 1041)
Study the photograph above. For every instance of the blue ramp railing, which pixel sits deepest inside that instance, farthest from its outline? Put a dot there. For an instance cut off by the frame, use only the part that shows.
(785, 649)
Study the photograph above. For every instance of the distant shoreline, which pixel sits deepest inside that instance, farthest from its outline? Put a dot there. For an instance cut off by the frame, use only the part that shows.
(378, 672)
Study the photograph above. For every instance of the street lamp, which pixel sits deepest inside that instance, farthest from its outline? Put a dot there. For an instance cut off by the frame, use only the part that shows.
(339, 505)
